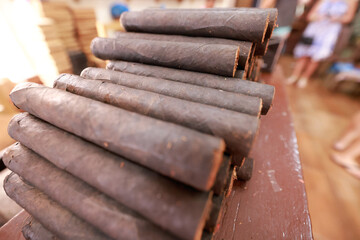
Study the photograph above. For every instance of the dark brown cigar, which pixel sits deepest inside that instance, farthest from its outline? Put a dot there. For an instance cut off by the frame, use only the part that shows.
(117, 177)
(244, 47)
(273, 13)
(228, 100)
(210, 58)
(92, 206)
(263, 91)
(237, 129)
(33, 230)
(261, 48)
(50, 214)
(247, 25)
(175, 151)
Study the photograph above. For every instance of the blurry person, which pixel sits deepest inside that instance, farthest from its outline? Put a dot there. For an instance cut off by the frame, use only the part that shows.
(347, 148)
(320, 36)
(268, 3)
(210, 3)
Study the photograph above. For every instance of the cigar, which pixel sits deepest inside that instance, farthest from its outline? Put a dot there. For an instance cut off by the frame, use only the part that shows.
(244, 47)
(111, 218)
(263, 91)
(136, 187)
(217, 59)
(272, 12)
(237, 129)
(245, 170)
(172, 150)
(221, 24)
(61, 222)
(231, 101)
(33, 230)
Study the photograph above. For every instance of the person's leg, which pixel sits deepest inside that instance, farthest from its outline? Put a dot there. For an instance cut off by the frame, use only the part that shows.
(299, 67)
(349, 158)
(350, 134)
(309, 71)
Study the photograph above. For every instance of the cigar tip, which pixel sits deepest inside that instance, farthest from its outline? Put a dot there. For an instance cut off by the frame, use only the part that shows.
(58, 79)
(17, 99)
(9, 183)
(110, 65)
(9, 153)
(16, 120)
(93, 43)
(7, 180)
(24, 85)
(121, 20)
(85, 72)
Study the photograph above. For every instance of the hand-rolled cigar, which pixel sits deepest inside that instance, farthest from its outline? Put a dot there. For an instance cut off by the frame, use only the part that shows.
(213, 222)
(244, 171)
(61, 222)
(178, 208)
(263, 91)
(273, 13)
(200, 57)
(172, 150)
(237, 129)
(244, 47)
(246, 26)
(33, 230)
(228, 100)
(105, 214)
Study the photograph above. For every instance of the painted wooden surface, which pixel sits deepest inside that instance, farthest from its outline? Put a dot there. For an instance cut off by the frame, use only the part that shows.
(12, 229)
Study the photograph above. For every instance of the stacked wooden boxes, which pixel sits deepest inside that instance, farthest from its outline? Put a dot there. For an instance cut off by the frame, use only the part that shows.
(85, 21)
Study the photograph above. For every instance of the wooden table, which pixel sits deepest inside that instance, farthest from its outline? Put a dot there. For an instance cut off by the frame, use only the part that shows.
(273, 204)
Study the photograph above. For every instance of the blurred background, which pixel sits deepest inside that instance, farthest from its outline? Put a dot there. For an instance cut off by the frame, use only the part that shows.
(40, 39)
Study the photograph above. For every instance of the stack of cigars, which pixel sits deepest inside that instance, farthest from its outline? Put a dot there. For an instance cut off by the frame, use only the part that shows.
(149, 147)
